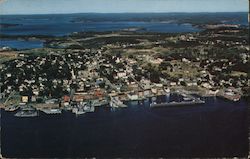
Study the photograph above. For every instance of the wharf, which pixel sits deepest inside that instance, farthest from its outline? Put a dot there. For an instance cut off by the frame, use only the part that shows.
(46, 106)
(100, 103)
(232, 96)
(116, 102)
(183, 103)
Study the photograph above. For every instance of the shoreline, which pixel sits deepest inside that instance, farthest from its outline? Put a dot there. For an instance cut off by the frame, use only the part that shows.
(56, 106)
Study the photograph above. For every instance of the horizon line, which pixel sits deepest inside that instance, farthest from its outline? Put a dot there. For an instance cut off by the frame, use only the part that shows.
(125, 13)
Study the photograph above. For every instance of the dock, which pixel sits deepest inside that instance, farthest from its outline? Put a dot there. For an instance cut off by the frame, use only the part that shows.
(116, 103)
(232, 96)
(172, 104)
(188, 100)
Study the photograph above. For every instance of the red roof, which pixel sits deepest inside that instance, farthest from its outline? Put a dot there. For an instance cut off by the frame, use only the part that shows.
(66, 98)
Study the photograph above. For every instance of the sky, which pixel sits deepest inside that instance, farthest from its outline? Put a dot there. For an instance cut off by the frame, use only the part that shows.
(120, 6)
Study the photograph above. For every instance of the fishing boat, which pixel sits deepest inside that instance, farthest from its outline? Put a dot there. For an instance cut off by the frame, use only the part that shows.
(27, 112)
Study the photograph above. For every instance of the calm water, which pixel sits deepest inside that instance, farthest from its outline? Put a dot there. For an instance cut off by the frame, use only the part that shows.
(21, 44)
(59, 25)
(60, 28)
(217, 128)
(65, 24)
(152, 22)
(64, 28)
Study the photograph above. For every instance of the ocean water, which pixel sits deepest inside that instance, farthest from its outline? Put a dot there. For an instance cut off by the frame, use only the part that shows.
(21, 44)
(65, 24)
(215, 129)
(57, 25)
(60, 28)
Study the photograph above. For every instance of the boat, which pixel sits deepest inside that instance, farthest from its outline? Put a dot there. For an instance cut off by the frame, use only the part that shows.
(186, 99)
(82, 108)
(88, 108)
(167, 90)
(11, 108)
(141, 102)
(27, 112)
(52, 111)
(153, 98)
(133, 97)
(78, 111)
(230, 95)
(153, 103)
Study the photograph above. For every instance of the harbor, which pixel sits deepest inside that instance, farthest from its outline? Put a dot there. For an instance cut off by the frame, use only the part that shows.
(166, 128)
(114, 101)
(80, 104)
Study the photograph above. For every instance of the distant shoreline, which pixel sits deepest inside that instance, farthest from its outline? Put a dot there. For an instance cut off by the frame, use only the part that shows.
(124, 13)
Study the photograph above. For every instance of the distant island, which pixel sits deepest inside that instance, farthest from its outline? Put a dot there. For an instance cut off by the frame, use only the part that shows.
(180, 18)
(7, 25)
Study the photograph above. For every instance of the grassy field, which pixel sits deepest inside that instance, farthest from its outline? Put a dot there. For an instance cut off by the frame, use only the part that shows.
(183, 70)
(7, 55)
(238, 74)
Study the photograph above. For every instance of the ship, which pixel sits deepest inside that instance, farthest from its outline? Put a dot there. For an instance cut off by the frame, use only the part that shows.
(11, 108)
(78, 111)
(88, 108)
(229, 94)
(83, 107)
(52, 111)
(187, 98)
(27, 112)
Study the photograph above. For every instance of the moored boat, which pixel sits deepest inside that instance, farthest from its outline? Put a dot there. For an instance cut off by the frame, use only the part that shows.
(52, 111)
(26, 113)
(11, 108)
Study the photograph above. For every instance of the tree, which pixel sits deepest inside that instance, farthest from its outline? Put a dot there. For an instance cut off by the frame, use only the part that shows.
(183, 83)
(165, 65)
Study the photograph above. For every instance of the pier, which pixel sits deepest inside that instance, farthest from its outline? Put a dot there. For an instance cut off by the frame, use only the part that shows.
(188, 100)
(172, 104)
(116, 103)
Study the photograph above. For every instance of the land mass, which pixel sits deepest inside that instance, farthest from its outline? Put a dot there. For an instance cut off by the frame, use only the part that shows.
(7, 25)
(127, 65)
